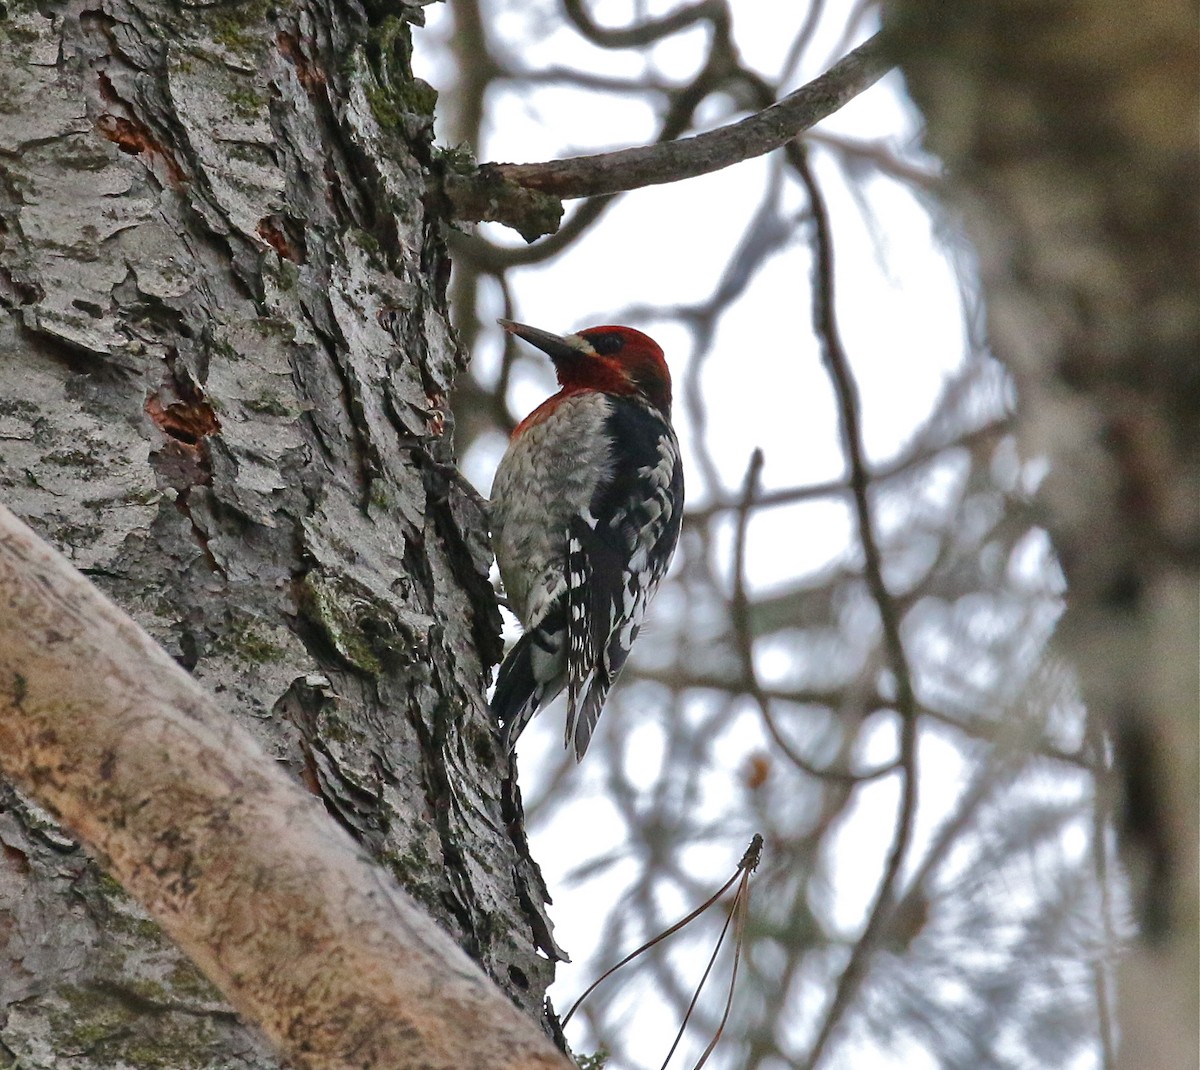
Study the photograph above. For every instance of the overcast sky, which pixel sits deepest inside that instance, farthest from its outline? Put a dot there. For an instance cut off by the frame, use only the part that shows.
(901, 315)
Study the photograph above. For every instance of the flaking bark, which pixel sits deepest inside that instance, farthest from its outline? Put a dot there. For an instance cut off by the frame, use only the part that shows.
(225, 362)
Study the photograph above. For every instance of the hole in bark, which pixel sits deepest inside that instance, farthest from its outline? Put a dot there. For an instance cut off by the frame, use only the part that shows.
(189, 651)
(90, 307)
(518, 978)
(18, 859)
(187, 421)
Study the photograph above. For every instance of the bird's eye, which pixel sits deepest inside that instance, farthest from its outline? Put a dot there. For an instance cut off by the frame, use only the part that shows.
(606, 344)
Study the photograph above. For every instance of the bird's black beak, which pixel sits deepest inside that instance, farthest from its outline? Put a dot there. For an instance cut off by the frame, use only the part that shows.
(554, 346)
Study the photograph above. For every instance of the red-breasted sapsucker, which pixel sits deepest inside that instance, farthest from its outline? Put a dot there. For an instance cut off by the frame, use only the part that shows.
(586, 507)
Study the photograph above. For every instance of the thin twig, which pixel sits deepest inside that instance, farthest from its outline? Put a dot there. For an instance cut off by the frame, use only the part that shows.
(988, 730)
(804, 38)
(999, 767)
(991, 731)
(882, 156)
(741, 909)
(712, 960)
(673, 161)
(748, 862)
(849, 411)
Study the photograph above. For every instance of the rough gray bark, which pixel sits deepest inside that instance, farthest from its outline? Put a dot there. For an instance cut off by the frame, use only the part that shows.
(225, 361)
(1069, 133)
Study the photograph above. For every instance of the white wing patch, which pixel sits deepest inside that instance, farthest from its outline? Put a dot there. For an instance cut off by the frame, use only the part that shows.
(581, 647)
(615, 565)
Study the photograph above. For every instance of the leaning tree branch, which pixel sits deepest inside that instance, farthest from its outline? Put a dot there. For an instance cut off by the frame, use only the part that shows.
(242, 867)
(672, 161)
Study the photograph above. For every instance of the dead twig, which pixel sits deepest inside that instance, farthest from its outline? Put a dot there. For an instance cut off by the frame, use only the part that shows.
(738, 910)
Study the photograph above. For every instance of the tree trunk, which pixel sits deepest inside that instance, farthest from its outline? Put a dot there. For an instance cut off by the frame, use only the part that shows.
(225, 363)
(1069, 133)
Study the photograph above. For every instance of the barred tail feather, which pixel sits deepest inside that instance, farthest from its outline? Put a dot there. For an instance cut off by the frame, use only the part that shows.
(581, 720)
(517, 692)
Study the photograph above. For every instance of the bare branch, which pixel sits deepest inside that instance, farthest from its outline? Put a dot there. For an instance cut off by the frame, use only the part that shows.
(649, 165)
(883, 157)
(243, 868)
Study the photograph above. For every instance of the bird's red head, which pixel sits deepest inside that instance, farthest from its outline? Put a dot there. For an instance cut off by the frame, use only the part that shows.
(613, 360)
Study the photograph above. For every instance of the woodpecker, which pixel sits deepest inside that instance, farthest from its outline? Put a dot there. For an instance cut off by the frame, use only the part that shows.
(585, 514)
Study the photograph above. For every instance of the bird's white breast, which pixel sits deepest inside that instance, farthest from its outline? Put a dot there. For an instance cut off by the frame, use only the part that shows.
(549, 474)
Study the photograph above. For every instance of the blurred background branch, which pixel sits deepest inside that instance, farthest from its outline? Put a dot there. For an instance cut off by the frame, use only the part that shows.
(851, 653)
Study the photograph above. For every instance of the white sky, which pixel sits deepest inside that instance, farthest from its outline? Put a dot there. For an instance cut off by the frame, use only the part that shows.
(901, 318)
